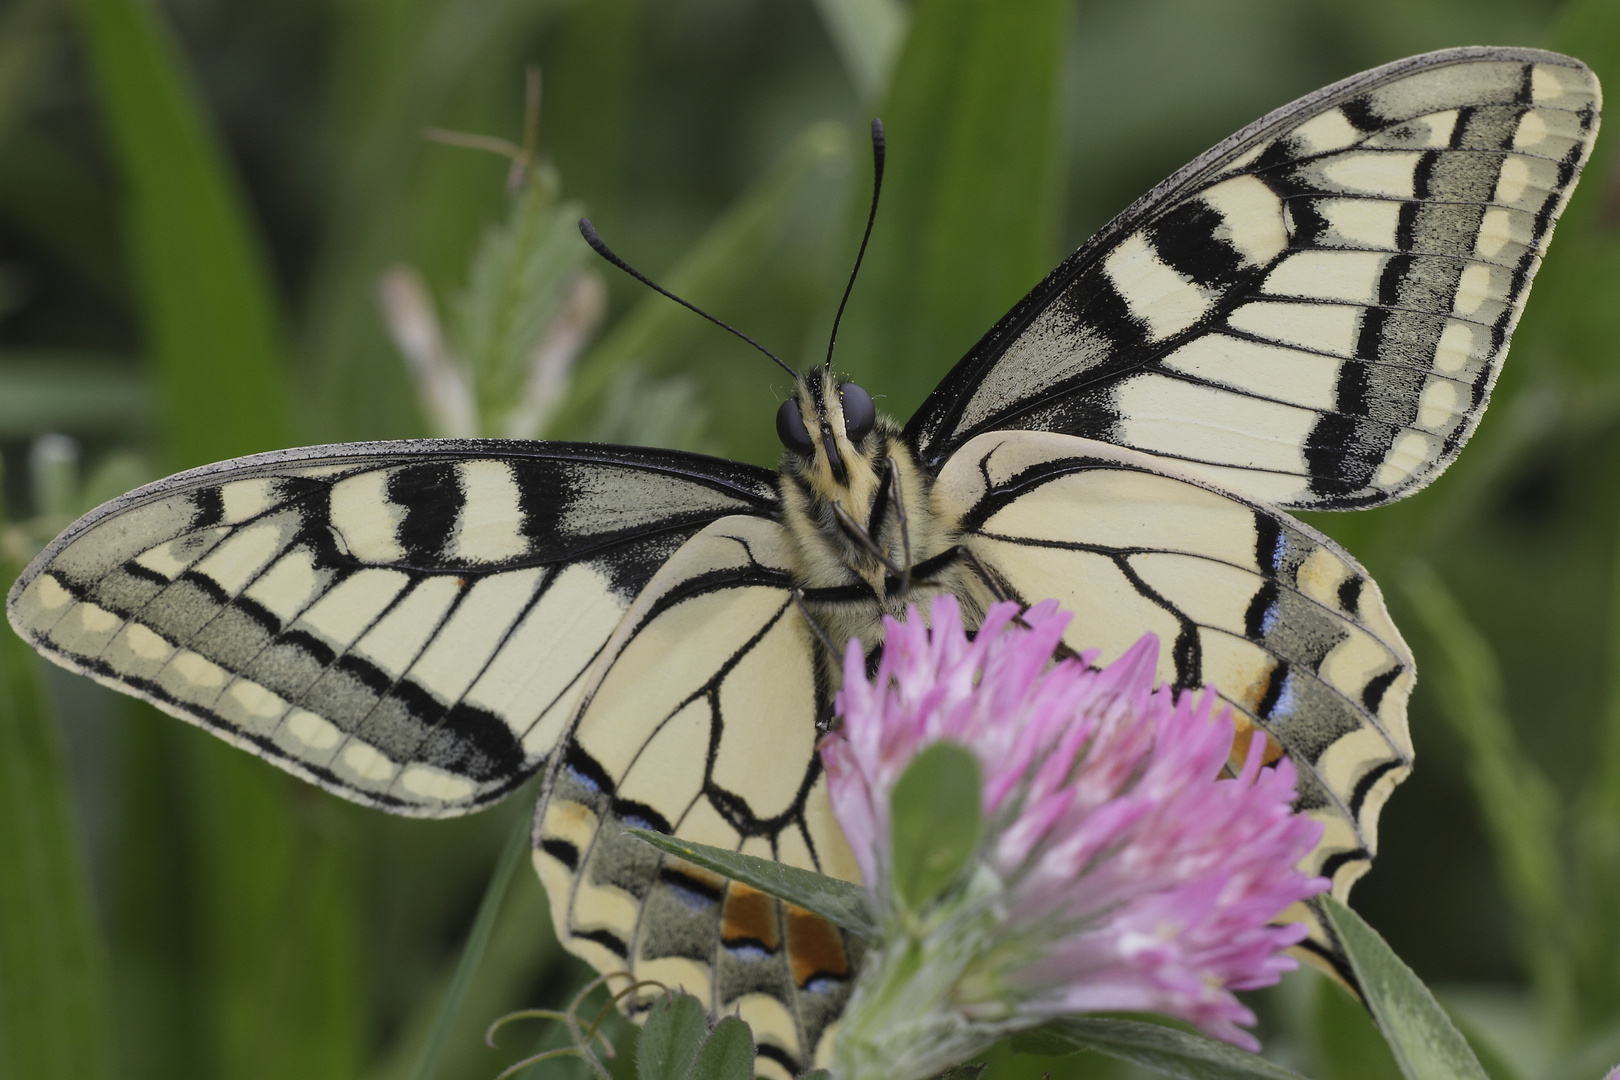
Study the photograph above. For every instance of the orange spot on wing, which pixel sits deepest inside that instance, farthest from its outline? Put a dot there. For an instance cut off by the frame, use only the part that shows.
(1246, 731)
(749, 915)
(814, 947)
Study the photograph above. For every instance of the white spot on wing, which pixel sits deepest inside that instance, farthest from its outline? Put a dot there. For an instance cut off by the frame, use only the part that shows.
(1201, 423)
(459, 651)
(350, 606)
(49, 594)
(1328, 275)
(172, 558)
(1411, 452)
(1496, 231)
(1252, 216)
(1514, 178)
(431, 783)
(1328, 328)
(146, 644)
(366, 519)
(1547, 82)
(288, 586)
(368, 762)
(1331, 130)
(315, 732)
(1474, 289)
(255, 700)
(243, 499)
(1387, 173)
(1162, 299)
(488, 527)
(1267, 370)
(1457, 350)
(1365, 223)
(234, 562)
(393, 644)
(1440, 404)
(1532, 130)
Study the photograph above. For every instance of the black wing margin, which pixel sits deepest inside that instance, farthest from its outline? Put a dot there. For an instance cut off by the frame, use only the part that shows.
(1312, 313)
(406, 624)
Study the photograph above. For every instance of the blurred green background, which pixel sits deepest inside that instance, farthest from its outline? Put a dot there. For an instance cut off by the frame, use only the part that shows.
(200, 200)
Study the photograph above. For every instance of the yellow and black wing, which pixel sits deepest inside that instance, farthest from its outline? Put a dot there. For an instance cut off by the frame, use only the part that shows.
(701, 722)
(407, 624)
(1313, 313)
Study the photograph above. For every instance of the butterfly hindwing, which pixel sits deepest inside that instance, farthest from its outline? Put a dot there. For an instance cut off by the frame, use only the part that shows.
(406, 624)
(1280, 620)
(1313, 313)
(701, 722)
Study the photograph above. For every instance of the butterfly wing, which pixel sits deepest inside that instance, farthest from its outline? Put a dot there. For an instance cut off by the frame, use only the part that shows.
(1284, 624)
(407, 624)
(1312, 313)
(701, 722)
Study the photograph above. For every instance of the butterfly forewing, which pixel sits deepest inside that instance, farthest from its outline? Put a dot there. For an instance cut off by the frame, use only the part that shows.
(406, 624)
(1314, 312)
(701, 722)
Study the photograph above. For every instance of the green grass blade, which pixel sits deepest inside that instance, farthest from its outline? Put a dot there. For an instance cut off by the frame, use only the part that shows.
(867, 34)
(206, 304)
(1426, 1044)
(1518, 804)
(80, 393)
(53, 988)
(472, 954)
(969, 216)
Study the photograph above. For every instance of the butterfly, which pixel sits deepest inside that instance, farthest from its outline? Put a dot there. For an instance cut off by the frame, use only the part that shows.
(1309, 316)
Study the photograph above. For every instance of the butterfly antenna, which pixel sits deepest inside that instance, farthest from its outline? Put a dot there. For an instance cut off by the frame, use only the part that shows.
(871, 216)
(588, 231)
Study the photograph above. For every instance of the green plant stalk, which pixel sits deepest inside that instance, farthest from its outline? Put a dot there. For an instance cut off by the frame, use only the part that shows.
(206, 306)
(903, 1020)
(472, 954)
(1518, 804)
(971, 192)
(53, 973)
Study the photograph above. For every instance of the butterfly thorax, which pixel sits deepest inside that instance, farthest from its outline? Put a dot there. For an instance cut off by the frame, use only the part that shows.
(862, 514)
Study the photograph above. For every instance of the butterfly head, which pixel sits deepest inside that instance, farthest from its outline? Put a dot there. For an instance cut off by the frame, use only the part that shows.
(833, 435)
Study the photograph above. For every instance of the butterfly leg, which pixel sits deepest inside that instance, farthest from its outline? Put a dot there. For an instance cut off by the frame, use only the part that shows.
(880, 502)
(857, 532)
(815, 624)
(893, 480)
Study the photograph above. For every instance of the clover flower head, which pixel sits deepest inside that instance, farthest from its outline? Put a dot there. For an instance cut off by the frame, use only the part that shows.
(1122, 866)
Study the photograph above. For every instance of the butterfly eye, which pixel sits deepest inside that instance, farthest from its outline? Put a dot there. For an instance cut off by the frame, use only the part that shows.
(859, 412)
(790, 428)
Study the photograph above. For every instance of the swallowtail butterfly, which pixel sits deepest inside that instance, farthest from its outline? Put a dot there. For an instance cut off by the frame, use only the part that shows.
(1311, 315)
